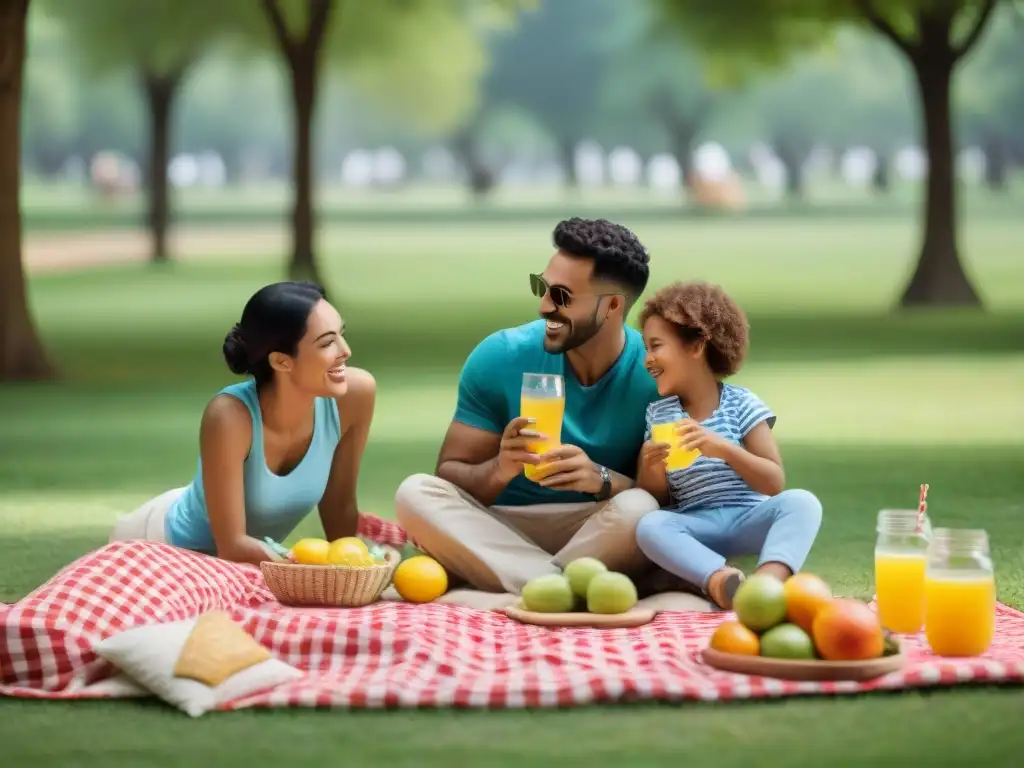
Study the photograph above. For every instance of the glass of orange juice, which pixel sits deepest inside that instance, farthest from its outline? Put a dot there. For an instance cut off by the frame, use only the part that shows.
(959, 593)
(665, 432)
(543, 400)
(901, 551)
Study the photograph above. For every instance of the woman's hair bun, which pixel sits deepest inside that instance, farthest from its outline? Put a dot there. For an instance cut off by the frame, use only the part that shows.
(236, 354)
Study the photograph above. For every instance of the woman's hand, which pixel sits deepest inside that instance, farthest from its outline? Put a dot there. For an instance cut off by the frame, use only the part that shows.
(339, 508)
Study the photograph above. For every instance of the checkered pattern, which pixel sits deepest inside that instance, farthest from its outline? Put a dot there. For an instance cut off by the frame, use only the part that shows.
(400, 655)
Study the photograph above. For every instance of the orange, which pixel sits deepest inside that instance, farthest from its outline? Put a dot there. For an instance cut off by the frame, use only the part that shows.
(733, 637)
(806, 594)
(420, 579)
(311, 551)
(848, 630)
(349, 552)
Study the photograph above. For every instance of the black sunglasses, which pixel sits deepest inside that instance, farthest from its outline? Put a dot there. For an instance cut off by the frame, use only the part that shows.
(560, 296)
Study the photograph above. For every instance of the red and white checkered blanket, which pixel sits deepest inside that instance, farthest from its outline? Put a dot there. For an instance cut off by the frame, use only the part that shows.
(395, 654)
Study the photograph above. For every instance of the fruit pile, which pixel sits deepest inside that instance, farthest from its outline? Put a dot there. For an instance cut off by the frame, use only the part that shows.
(800, 619)
(349, 550)
(586, 584)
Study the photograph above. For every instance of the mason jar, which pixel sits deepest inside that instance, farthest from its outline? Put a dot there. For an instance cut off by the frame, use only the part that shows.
(901, 549)
(960, 593)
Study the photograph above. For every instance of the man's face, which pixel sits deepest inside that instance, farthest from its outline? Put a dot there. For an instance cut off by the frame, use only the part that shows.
(573, 304)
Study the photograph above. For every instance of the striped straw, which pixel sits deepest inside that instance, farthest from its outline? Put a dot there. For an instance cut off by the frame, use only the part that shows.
(922, 506)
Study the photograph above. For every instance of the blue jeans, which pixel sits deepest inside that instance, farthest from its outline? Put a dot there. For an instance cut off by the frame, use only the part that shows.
(693, 545)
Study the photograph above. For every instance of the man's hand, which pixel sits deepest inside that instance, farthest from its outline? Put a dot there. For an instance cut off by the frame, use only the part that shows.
(693, 436)
(568, 468)
(654, 455)
(513, 451)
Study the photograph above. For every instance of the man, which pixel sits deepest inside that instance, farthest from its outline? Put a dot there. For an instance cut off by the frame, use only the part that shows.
(480, 516)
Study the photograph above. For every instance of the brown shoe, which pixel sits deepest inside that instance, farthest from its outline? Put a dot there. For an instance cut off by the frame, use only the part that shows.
(722, 586)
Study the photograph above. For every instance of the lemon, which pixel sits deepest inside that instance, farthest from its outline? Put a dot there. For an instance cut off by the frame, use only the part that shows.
(352, 540)
(420, 579)
(350, 552)
(311, 551)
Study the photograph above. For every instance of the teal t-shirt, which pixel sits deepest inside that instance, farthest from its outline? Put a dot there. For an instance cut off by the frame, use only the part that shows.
(606, 419)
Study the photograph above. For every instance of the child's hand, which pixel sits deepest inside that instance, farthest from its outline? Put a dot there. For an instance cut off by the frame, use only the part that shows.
(653, 455)
(709, 443)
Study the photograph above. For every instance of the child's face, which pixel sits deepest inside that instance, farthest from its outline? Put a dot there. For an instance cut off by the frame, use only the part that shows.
(670, 361)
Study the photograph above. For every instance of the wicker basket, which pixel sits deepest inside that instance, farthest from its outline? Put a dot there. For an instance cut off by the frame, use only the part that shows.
(329, 585)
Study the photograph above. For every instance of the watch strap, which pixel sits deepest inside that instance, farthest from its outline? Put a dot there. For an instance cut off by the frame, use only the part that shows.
(606, 483)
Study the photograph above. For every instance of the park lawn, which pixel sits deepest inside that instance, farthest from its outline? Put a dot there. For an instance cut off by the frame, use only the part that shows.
(870, 406)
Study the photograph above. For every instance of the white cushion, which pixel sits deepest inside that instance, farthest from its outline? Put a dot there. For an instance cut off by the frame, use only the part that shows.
(148, 654)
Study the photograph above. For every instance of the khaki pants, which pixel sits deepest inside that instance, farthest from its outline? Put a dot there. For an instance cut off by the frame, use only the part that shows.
(499, 549)
(146, 522)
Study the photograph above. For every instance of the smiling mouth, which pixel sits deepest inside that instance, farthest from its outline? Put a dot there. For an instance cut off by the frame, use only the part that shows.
(337, 374)
(655, 372)
(554, 326)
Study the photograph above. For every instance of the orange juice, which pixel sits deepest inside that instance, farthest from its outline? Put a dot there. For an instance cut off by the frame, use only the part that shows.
(960, 612)
(899, 590)
(677, 457)
(547, 413)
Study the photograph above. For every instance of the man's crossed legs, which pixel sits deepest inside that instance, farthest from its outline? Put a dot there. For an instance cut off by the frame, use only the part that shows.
(499, 549)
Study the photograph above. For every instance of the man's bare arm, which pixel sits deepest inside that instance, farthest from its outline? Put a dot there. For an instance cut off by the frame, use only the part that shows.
(482, 463)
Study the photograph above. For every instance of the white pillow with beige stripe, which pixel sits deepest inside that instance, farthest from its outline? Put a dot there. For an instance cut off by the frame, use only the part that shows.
(196, 664)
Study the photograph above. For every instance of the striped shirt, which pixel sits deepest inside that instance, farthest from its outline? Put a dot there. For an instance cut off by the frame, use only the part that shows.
(712, 483)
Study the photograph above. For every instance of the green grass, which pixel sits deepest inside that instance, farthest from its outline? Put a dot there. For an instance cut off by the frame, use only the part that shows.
(48, 207)
(871, 404)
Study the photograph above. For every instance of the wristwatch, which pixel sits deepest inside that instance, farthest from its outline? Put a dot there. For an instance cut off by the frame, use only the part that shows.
(606, 483)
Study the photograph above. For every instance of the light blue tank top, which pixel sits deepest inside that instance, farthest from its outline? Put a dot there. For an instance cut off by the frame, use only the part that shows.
(274, 504)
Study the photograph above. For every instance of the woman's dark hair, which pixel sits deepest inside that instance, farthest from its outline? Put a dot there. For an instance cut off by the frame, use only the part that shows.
(273, 320)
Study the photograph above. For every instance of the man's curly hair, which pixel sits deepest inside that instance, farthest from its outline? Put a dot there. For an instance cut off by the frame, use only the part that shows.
(702, 311)
(618, 254)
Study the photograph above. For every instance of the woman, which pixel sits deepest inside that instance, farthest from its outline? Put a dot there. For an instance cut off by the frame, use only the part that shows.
(273, 447)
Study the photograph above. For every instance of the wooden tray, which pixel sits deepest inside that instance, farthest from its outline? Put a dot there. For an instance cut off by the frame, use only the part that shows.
(632, 618)
(790, 669)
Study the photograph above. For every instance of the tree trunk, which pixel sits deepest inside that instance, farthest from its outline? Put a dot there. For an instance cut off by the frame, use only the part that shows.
(682, 135)
(567, 154)
(792, 158)
(302, 54)
(881, 179)
(22, 357)
(996, 160)
(303, 265)
(479, 176)
(160, 91)
(939, 278)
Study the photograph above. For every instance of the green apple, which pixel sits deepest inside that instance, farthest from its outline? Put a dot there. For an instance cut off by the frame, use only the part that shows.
(787, 641)
(611, 592)
(548, 594)
(580, 571)
(760, 602)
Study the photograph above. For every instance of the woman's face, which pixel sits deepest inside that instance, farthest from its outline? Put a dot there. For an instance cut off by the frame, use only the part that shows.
(669, 360)
(318, 367)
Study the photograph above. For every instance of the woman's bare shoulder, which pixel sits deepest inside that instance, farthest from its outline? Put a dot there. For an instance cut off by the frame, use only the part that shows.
(226, 423)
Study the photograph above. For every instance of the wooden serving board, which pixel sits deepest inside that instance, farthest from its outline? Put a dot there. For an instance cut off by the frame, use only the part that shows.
(632, 618)
(791, 669)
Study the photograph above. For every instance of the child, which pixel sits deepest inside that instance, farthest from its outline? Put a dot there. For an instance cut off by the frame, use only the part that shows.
(730, 501)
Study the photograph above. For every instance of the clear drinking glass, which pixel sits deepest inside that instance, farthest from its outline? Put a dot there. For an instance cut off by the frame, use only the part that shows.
(543, 400)
(664, 431)
(960, 593)
(900, 558)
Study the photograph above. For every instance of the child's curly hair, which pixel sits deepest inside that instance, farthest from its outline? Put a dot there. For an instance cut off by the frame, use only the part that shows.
(704, 311)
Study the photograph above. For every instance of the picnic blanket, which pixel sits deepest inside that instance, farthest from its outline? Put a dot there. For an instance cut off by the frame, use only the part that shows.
(398, 655)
